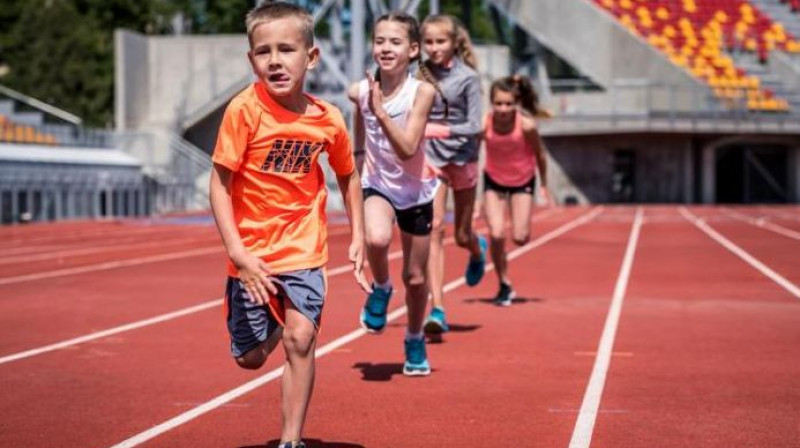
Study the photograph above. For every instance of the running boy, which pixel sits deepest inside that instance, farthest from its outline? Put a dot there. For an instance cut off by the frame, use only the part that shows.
(452, 146)
(391, 113)
(268, 198)
(514, 153)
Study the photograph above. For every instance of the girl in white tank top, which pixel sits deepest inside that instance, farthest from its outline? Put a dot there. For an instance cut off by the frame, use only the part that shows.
(398, 184)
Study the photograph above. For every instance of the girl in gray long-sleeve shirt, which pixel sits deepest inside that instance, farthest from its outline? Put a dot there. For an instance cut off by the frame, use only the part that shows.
(452, 147)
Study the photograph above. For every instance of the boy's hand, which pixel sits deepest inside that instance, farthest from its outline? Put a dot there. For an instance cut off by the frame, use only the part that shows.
(375, 96)
(356, 253)
(253, 273)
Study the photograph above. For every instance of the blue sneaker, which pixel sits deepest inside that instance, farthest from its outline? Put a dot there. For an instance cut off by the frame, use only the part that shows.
(373, 315)
(416, 358)
(436, 323)
(476, 268)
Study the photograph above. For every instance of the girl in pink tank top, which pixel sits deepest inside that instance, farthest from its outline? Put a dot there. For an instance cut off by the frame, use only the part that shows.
(514, 153)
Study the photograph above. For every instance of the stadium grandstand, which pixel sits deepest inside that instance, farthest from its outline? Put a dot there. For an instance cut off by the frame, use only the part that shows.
(652, 101)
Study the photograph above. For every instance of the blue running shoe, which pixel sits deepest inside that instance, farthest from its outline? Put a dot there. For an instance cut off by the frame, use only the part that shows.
(436, 323)
(373, 315)
(476, 268)
(416, 358)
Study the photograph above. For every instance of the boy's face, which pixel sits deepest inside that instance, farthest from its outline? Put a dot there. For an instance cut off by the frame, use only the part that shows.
(391, 47)
(280, 57)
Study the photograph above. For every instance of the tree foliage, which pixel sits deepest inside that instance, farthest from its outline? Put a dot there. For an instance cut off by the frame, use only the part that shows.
(61, 51)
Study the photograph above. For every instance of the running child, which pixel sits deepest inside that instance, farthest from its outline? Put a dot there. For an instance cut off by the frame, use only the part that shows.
(514, 153)
(391, 113)
(452, 146)
(268, 197)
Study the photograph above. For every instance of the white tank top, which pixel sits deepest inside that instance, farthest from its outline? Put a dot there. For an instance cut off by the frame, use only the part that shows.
(405, 183)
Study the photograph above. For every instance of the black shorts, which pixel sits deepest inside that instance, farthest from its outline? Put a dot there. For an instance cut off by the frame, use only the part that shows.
(527, 188)
(417, 220)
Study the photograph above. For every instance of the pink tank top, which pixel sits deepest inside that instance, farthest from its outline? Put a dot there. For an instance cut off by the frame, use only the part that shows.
(510, 160)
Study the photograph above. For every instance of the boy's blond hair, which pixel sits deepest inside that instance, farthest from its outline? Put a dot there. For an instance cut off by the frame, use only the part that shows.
(278, 10)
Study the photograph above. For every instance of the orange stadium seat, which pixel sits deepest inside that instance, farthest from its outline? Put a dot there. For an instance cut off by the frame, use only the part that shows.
(17, 133)
(696, 34)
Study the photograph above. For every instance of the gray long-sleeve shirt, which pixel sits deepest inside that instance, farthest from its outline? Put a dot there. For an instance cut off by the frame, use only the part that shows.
(462, 88)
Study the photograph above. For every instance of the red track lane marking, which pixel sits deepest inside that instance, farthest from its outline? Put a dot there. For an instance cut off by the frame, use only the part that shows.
(584, 426)
(331, 346)
(741, 253)
(180, 313)
(763, 223)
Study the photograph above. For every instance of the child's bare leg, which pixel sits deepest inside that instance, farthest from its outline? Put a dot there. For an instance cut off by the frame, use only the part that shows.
(464, 206)
(436, 255)
(299, 340)
(495, 217)
(416, 249)
(521, 205)
(380, 216)
(256, 357)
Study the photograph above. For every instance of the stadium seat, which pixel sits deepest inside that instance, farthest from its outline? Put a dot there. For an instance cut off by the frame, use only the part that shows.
(697, 34)
(17, 133)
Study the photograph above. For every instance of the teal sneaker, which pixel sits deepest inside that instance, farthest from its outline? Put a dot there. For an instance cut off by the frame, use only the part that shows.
(416, 358)
(476, 268)
(373, 315)
(436, 323)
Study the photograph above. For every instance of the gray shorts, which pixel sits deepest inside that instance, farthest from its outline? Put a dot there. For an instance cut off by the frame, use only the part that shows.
(249, 324)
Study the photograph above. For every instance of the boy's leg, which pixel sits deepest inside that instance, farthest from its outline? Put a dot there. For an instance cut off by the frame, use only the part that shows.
(253, 330)
(436, 255)
(299, 340)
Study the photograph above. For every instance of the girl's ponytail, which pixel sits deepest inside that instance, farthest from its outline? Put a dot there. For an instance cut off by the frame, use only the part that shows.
(526, 94)
(425, 74)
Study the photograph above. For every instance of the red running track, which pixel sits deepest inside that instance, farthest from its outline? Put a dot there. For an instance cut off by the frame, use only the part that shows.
(705, 353)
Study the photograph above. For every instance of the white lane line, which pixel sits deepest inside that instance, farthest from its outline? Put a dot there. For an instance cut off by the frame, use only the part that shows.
(111, 265)
(110, 331)
(741, 253)
(179, 313)
(762, 223)
(327, 348)
(51, 255)
(584, 426)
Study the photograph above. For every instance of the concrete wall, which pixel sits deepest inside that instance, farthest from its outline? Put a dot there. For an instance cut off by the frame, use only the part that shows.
(582, 167)
(163, 80)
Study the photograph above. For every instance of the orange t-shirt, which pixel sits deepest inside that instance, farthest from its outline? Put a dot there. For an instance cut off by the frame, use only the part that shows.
(278, 188)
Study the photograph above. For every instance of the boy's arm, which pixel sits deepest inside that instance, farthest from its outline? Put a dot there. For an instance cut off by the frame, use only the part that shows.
(350, 186)
(405, 142)
(253, 271)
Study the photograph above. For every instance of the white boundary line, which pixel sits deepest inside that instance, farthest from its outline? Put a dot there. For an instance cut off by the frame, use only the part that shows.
(762, 223)
(175, 314)
(584, 426)
(741, 253)
(327, 348)
(110, 265)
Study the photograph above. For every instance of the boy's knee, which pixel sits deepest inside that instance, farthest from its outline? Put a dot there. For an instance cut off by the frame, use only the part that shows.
(299, 340)
(252, 360)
